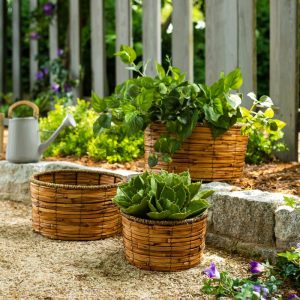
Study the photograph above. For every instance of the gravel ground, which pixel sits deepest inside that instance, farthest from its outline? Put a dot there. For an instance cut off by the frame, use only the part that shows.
(34, 267)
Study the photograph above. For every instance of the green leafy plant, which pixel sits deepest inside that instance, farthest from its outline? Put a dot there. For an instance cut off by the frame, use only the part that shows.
(264, 131)
(162, 196)
(289, 264)
(292, 202)
(170, 99)
(262, 284)
(112, 146)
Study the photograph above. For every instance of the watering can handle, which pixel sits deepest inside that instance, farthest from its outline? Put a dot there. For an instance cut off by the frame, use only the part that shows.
(24, 102)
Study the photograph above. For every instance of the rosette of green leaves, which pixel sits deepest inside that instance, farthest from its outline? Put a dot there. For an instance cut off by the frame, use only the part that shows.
(162, 196)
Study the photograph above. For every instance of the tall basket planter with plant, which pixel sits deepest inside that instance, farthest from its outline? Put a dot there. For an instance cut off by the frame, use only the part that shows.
(187, 125)
(164, 219)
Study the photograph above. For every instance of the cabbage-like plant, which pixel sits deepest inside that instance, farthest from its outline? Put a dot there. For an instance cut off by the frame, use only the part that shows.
(162, 196)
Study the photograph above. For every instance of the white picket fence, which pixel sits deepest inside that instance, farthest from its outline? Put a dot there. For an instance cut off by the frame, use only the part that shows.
(230, 42)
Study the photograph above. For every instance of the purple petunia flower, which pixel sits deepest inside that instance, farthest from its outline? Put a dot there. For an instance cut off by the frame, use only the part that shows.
(260, 290)
(59, 52)
(293, 297)
(256, 267)
(55, 87)
(298, 245)
(212, 271)
(39, 75)
(67, 88)
(48, 8)
(34, 35)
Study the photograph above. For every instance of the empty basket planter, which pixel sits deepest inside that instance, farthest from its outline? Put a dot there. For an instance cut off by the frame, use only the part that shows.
(75, 204)
(164, 245)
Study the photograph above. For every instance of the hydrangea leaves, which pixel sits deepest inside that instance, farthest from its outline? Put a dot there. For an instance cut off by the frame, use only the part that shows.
(162, 196)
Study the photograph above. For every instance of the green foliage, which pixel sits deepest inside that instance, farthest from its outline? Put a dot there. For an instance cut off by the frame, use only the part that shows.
(289, 265)
(162, 196)
(112, 145)
(170, 99)
(264, 131)
(292, 202)
(253, 287)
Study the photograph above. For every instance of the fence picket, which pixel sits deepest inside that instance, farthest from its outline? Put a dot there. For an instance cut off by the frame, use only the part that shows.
(247, 46)
(124, 36)
(182, 37)
(75, 42)
(151, 34)
(53, 39)
(33, 51)
(16, 51)
(284, 79)
(98, 47)
(221, 38)
(2, 46)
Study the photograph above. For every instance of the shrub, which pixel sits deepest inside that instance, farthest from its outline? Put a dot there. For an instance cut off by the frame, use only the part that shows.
(112, 145)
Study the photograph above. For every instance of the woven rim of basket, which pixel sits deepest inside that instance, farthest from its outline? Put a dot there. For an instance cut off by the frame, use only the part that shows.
(237, 125)
(76, 187)
(166, 222)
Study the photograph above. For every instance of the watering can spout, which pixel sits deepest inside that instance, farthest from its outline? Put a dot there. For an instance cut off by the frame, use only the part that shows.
(68, 121)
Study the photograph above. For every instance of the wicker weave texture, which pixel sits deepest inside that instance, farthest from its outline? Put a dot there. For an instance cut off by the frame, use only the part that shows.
(206, 158)
(162, 247)
(75, 204)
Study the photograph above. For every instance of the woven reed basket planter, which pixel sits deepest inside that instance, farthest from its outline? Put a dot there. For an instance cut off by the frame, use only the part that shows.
(164, 245)
(206, 158)
(75, 204)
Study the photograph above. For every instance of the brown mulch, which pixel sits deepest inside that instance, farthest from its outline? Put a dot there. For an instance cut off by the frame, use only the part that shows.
(272, 177)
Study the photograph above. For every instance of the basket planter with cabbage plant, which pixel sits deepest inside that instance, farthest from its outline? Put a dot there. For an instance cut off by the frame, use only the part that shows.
(164, 217)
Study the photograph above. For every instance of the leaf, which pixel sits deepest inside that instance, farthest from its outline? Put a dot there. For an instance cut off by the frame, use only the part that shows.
(269, 113)
(137, 209)
(265, 101)
(134, 122)
(245, 112)
(234, 79)
(160, 71)
(194, 189)
(103, 121)
(196, 207)
(159, 215)
(203, 194)
(98, 103)
(162, 88)
(252, 96)
(126, 54)
(167, 193)
(234, 100)
(210, 114)
(151, 204)
(152, 160)
(181, 195)
(166, 158)
(144, 100)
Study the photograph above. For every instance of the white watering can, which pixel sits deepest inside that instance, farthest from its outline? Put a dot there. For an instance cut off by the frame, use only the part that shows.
(24, 145)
